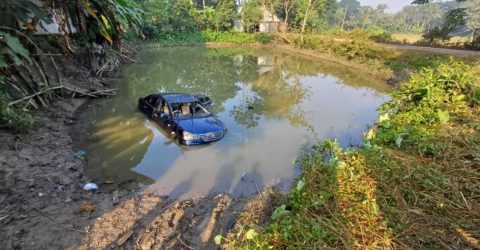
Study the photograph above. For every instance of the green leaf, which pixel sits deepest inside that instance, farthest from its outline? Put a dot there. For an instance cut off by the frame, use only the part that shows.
(218, 239)
(383, 118)
(3, 63)
(476, 95)
(370, 134)
(399, 141)
(300, 185)
(280, 212)
(443, 116)
(459, 99)
(251, 234)
(16, 47)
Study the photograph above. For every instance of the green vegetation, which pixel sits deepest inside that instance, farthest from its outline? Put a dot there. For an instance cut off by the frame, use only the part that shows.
(412, 185)
(18, 120)
(25, 81)
(209, 36)
(358, 47)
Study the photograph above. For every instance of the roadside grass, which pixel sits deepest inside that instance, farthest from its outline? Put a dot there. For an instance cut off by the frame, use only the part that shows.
(415, 183)
(410, 38)
(456, 42)
(386, 63)
(359, 47)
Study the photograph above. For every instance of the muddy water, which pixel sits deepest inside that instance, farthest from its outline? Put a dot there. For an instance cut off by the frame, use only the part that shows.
(273, 103)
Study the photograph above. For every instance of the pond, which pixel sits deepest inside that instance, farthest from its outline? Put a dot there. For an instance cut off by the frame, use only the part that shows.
(274, 104)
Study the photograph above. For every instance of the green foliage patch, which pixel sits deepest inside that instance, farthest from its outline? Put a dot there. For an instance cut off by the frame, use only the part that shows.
(201, 37)
(16, 119)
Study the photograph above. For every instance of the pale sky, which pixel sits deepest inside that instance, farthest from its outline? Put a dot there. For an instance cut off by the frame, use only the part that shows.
(393, 5)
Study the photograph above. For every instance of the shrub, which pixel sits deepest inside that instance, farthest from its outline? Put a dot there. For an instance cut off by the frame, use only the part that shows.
(436, 34)
(264, 38)
(19, 120)
(379, 35)
(228, 37)
(431, 98)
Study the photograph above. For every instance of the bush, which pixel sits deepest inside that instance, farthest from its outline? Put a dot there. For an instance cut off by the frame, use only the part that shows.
(19, 120)
(436, 34)
(475, 43)
(264, 38)
(228, 37)
(431, 98)
(379, 35)
(209, 36)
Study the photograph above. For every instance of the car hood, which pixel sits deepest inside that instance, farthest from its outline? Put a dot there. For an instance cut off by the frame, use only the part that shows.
(201, 125)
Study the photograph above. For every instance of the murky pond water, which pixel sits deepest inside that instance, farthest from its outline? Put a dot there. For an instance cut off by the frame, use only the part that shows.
(273, 103)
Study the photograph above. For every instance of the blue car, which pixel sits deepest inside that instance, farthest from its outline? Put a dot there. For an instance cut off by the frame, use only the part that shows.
(186, 117)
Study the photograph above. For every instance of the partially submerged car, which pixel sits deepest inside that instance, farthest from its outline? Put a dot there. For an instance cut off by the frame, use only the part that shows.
(186, 117)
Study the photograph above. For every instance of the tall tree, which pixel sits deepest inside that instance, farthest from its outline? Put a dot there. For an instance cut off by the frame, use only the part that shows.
(287, 8)
(251, 14)
(311, 6)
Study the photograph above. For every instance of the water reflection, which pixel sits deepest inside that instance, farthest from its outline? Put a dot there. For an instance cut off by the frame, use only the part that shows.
(272, 102)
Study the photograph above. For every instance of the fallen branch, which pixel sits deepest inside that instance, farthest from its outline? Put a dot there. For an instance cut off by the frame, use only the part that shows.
(106, 92)
(125, 56)
(95, 94)
(33, 95)
(47, 54)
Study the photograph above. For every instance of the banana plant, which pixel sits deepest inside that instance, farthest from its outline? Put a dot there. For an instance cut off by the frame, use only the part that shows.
(112, 16)
(11, 49)
(18, 19)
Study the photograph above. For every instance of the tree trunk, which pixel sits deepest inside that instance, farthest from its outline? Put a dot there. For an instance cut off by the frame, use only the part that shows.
(474, 37)
(287, 10)
(304, 23)
(344, 17)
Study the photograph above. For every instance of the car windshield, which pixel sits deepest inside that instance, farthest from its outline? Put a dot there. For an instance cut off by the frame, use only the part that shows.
(188, 110)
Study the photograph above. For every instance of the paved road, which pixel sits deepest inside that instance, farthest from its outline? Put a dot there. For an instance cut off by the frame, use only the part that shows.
(454, 52)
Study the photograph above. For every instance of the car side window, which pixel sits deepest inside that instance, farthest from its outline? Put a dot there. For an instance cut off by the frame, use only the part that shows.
(151, 101)
(163, 108)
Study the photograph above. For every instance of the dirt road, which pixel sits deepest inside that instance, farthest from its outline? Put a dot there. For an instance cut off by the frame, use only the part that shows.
(453, 52)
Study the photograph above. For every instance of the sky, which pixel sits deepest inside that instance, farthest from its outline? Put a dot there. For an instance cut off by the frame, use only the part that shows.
(393, 5)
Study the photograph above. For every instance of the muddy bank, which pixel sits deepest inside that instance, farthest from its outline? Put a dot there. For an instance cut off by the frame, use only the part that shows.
(41, 184)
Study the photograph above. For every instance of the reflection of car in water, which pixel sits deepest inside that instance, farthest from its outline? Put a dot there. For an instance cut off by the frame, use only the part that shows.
(184, 116)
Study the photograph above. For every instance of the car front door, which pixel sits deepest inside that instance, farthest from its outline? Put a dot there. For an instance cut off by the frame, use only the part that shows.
(163, 116)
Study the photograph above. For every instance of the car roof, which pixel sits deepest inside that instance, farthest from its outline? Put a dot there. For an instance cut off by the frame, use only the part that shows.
(177, 97)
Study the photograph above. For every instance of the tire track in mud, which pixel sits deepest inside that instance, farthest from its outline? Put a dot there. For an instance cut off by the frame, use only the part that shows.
(151, 222)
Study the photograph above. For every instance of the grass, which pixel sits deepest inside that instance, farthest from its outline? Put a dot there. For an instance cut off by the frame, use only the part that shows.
(417, 39)
(414, 184)
(359, 48)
